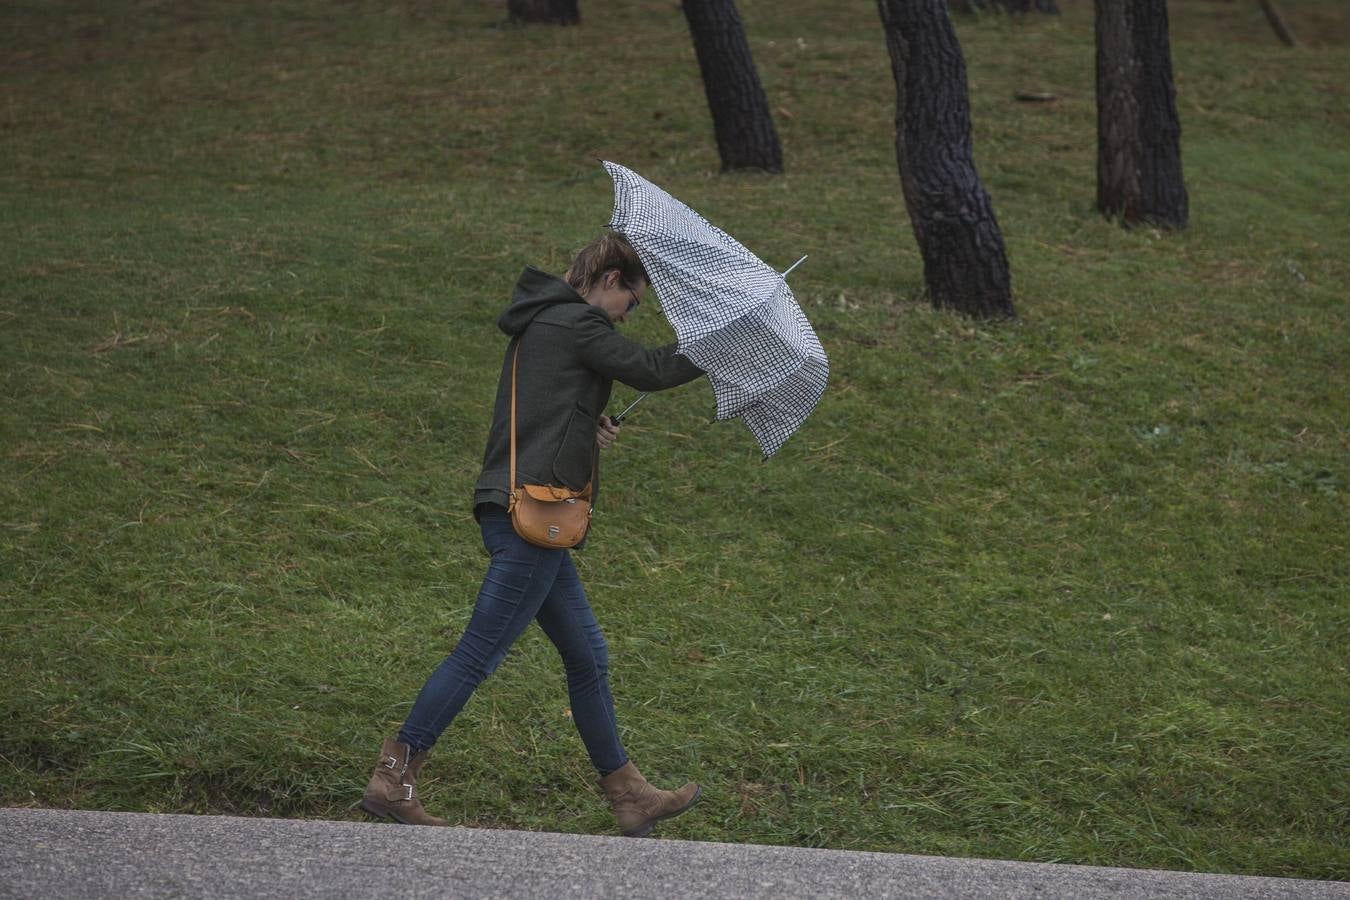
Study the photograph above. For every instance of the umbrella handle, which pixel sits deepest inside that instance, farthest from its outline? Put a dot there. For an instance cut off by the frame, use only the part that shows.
(793, 266)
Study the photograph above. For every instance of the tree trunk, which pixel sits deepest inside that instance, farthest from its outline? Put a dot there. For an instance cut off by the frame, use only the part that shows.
(1278, 24)
(1009, 6)
(746, 138)
(1139, 174)
(552, 12)
(964, 262)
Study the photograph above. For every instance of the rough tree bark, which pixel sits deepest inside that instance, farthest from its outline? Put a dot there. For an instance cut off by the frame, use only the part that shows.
(746, 137)
(1139, 174)
(552, 12)
(964, 262)
(1011, 6)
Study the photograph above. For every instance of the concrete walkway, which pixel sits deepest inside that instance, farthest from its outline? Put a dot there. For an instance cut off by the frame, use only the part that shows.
(70, 854)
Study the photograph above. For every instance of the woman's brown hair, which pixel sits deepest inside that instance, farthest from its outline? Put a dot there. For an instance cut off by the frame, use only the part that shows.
(609, 251)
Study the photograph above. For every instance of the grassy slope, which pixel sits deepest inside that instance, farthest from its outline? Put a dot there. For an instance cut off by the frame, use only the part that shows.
(1070, 589)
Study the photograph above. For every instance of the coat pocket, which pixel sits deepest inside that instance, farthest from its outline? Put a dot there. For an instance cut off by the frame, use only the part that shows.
(572, 464)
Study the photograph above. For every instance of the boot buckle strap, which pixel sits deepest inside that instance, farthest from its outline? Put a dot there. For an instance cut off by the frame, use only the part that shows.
(391, 762)
(407, 791)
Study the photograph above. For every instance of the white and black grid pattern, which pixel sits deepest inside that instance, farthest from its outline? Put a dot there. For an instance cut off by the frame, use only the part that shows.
(734, 316)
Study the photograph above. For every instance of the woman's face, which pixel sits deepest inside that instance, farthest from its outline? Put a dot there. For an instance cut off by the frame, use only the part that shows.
(616, 298)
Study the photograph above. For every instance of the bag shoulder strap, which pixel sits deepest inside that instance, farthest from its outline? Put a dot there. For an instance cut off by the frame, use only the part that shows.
(515, 359)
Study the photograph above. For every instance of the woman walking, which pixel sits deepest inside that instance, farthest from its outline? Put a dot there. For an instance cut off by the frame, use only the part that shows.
(560, 365)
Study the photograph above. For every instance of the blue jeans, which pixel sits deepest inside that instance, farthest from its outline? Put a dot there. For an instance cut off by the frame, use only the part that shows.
(524, 582)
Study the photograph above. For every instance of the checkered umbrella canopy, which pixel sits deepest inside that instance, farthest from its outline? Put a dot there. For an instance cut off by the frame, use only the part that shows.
(734, 316)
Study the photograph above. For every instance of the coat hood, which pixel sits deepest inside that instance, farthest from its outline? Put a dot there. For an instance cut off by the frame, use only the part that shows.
(535, 292)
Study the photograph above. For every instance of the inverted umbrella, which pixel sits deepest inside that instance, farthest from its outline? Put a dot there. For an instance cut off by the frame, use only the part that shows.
(733, 315)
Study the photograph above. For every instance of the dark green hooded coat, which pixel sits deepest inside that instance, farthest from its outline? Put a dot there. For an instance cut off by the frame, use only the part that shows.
(570, 356)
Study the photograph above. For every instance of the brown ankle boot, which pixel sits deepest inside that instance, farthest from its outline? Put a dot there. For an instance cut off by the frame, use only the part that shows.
(392, 792)
(638, 806)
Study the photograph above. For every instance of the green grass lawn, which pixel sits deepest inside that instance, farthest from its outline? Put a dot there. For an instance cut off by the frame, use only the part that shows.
(1072, 588)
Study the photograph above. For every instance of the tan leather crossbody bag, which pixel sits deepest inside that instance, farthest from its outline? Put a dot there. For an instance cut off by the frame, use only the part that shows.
(542, 514)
